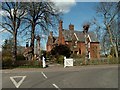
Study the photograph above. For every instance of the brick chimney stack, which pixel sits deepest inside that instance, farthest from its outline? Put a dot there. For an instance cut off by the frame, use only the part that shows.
(60, 31)
(61, 38)
(71, 27)
(60, 28)
(60, 25)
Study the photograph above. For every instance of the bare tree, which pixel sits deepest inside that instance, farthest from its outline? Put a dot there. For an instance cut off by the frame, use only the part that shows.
(12, 21)
(42, 14)
(115, 31)
(109, 12)
(105, 43)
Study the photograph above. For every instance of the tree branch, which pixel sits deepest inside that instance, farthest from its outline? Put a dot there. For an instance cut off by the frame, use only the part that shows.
(6, 28)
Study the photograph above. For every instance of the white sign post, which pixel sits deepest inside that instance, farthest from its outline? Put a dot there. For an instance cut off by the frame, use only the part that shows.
(68, 62)
(43, 61)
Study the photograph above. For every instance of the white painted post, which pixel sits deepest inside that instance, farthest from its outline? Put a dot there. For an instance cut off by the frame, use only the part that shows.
(64, 62)
(43, 61)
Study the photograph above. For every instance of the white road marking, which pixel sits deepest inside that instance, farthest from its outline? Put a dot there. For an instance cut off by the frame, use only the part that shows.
(56, 86)
(17, 84)
(44, 75)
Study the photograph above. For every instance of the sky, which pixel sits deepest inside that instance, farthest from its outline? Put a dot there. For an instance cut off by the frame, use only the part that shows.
(76, 13)
(79, 14)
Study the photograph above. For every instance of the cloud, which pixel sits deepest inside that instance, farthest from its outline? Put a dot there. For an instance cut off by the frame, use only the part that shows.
(64, 6)
(1, 43)
(3, 13)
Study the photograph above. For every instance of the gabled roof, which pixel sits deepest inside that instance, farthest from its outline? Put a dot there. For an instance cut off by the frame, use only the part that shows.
(52, 40)
(55, 40)
(68, 35)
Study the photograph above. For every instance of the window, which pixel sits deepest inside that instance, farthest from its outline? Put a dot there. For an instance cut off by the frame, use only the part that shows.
(79, 51)
(71, 52)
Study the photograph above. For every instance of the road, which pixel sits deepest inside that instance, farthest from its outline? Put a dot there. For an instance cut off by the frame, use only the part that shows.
(70, 77)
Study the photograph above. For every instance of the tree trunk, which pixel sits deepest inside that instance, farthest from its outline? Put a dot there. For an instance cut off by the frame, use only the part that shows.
(32, 38)
(38, 47)
(111, 40)
(14, 38)
(14, 47)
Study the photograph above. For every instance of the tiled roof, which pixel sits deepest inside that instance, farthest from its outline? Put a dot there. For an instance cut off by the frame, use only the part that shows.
(68, 34)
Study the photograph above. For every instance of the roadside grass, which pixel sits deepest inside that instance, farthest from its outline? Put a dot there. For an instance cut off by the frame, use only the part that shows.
(81, 61)
(29, 66)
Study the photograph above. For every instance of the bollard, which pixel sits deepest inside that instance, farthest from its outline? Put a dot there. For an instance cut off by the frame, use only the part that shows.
(43, 61)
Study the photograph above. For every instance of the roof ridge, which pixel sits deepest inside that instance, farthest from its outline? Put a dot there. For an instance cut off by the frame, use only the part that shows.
(79, 34)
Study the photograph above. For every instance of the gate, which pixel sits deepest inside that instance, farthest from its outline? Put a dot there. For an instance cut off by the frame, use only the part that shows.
(68, 62)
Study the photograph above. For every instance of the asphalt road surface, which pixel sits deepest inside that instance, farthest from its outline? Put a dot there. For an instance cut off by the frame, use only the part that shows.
(70, 77)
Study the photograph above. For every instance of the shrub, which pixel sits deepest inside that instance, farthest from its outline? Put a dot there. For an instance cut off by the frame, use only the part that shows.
(29, 64)
(20, 57)
(78, 62)
(48, 56)
(7, 62)
(78, 56)
(61, 50)
(60, 59)
(113, 61)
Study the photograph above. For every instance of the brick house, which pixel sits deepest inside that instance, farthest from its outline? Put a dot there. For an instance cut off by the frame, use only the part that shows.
(74, 40)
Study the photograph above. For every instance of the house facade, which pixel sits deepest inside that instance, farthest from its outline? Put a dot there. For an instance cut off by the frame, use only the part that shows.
(75, 40)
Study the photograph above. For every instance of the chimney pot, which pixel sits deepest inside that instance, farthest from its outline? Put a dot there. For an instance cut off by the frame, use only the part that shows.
(71, 27)
(51, 33)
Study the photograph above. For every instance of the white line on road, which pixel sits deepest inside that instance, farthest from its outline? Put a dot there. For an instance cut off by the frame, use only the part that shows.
(56, 86)
(44, 75)
(17, 84)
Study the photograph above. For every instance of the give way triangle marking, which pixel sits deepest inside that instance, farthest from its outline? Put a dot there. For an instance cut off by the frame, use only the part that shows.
(17, 84)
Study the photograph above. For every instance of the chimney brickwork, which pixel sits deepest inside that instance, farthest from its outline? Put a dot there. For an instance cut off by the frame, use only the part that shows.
(61, 38)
